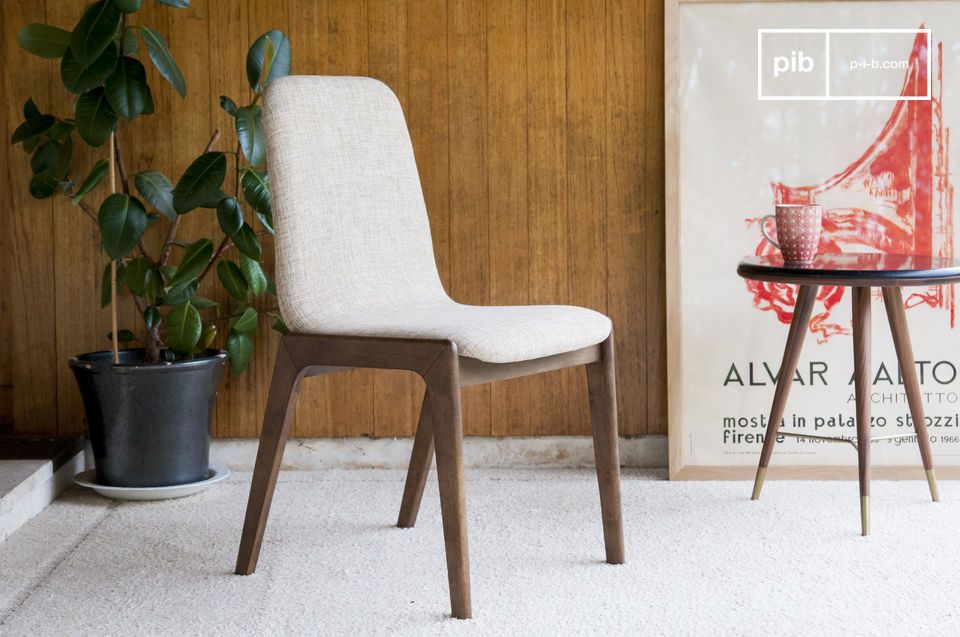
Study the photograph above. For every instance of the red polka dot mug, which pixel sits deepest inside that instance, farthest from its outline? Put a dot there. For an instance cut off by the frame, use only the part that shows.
(798, 231)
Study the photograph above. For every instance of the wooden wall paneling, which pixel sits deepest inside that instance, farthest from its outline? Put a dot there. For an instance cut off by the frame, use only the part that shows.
(241, 401)
(627, 208)
(348, 396)
(560, 200)
(655, 267)
(6, 266)
(547, 174)
(77, 264)
(586, 171)
(33, 288)
(397, 395)
(469, 213)
(506, 184)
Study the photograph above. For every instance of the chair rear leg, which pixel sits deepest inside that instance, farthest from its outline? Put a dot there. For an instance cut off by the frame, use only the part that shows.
(602, 385)
(419, 469)
(443, 386)
(284, 388)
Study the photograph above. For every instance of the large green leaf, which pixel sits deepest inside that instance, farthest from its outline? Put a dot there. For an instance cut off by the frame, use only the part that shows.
(249, 123)
(194, 260)
(129, 42)
(95, 118)
(239, 349)
(136, 278)
(246, 240)
(230, 215)
(228, 105)
(128, 6)
(44, 40)
(43, 185)
(246, 322)
(232, 279)
(95, 31)
(32, 128)
(93, 179)
(126, 88)
(256, 191)
(183, 328)
(157, 190)
(148, 102)
(268, 59)
(122, 222)
(53, 157)
(177, 4)
(161, 58)
(151, 317)
(181, 293)
(254, 275)
(200, 182)
(78, 77)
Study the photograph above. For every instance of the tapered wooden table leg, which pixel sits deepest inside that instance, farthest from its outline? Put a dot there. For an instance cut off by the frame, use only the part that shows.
(788, 366)
(893, 301)
(861, 380)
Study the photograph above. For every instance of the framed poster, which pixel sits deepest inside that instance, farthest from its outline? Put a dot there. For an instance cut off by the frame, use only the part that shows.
(847, 104)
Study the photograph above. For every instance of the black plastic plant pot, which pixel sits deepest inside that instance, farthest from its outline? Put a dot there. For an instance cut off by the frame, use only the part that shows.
(149, 424)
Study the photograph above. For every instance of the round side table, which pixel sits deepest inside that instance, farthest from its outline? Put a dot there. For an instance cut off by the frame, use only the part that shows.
(861, 272)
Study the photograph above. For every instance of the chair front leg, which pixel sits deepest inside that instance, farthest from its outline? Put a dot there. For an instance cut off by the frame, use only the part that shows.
(284, 388)
(443, 387)
(602, 386)
(419, 469)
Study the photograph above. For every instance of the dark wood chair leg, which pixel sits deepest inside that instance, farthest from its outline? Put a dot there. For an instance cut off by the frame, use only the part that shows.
(602, 389)
(893, 301)
(284, 388)
(419, 469)
(791, 354)
(861, 379)
(443, 385)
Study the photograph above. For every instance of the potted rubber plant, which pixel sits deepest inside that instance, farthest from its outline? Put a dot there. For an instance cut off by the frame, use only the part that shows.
(149, 405)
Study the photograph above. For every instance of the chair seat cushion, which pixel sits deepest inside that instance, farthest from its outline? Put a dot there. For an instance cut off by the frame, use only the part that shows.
(494, 334)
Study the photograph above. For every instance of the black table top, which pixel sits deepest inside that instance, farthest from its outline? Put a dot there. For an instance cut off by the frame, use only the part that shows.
(853, 269)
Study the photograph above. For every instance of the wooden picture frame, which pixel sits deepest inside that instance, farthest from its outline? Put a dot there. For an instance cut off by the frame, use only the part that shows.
(679, 468)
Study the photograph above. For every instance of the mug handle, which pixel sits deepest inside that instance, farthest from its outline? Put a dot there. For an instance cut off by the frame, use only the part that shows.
(763, 230)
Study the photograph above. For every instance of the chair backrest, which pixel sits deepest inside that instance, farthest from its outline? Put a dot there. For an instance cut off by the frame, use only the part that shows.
(351, 223)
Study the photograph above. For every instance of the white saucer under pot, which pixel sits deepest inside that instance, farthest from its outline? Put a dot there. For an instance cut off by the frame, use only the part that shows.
(88, 479)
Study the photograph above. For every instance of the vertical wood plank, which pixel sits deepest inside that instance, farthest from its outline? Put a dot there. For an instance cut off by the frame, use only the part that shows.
(469, 213)
(627, 208)
(546, 104)
(654, 292)
(240, 406)
(586, 175)
(33, 288)
(77, 260)
(507, 175)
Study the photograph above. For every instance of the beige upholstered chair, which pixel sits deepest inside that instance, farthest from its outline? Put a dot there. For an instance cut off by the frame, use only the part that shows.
(358, 287)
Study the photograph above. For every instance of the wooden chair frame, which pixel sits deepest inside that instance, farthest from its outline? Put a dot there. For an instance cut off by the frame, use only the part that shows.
(440, 428)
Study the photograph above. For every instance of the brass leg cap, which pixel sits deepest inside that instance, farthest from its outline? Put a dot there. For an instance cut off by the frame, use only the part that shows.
(865, 515)
(932, 481)
(758, 483)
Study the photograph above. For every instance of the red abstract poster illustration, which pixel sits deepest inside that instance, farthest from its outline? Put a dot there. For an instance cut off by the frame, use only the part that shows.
(896, 198)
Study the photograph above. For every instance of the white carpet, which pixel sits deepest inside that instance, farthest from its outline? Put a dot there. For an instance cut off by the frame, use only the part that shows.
(702, 560)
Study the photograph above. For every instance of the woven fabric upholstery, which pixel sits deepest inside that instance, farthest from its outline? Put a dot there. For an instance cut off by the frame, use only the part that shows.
(354, 254)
